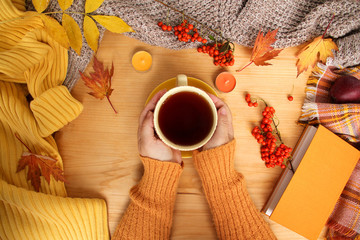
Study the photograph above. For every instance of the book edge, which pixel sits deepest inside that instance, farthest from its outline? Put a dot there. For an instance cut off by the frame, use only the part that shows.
(279, 188)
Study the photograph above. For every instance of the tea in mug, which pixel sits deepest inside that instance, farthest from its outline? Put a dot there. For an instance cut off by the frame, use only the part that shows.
(185, 118)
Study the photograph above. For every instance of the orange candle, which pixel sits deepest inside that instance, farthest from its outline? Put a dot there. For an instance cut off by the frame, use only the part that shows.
(225, 82)
(141, 61)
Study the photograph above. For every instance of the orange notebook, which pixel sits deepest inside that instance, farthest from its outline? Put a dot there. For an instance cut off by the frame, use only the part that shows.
(303, 201)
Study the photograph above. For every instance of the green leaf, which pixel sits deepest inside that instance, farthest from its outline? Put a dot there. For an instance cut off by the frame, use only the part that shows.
(211, 37)
(65, 4)
(91, 33)
(40, 5)
(73, 32)
(92, 5)
(224, 47)
(113, 23)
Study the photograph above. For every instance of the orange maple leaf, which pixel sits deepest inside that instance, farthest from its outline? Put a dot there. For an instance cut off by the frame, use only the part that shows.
(263, 51)
(100, 81)
(39, 165)
(316, 51)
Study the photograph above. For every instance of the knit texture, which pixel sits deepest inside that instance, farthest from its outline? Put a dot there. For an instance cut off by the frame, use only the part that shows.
(150, 213)
(239, 20)
(31, 215)
(234, 213)
(33, 67)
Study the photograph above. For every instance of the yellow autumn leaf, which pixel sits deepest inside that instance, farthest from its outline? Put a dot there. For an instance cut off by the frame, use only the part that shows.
(91, 33)
(316, 51)
(73, 32)
(40, 5)
(65, 4)
(92, 5)
(55, 30)
(113, 23)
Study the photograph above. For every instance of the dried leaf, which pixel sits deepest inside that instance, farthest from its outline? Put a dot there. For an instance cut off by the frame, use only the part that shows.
(40, 5)
(261, 61)
(263, 47)
(99, 81)
(263, 51)
(65, 4)
(39, 165)
(91, 33)
(73, 32)
(113, 23)
(92, 5)
(318, 50)
(55, 30)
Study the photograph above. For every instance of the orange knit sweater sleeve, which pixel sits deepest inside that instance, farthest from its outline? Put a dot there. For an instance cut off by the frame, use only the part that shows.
(235, 215)
(150, 213)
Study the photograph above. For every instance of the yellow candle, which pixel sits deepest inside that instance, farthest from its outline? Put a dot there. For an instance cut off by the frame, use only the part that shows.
(141, 61)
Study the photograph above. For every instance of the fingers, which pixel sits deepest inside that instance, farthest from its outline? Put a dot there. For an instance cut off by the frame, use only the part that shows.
(225, 122)
(224, 131)
(151, 105)
(221, 105)
(217, 101)
(146, 130)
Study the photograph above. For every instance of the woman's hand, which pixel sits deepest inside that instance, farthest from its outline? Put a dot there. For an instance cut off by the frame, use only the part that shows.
(148, 143)
(224, 132)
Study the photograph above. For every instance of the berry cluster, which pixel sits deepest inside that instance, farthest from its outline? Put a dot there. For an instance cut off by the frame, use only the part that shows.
(164, 27)
(221, 53)
(271, 153)
(249, 101)
(186, 32)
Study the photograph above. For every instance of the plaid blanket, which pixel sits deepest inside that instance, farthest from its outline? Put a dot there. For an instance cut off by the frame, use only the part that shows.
(344, 120)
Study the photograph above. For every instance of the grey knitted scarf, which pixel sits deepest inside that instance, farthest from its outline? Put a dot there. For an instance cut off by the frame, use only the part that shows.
(298, 21)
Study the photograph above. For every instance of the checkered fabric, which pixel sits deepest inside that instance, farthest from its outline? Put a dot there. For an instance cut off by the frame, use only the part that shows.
(344, 120)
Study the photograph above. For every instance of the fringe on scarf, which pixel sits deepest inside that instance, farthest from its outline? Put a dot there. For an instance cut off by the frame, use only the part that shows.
(348, 233)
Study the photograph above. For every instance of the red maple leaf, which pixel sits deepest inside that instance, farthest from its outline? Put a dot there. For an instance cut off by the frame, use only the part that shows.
(100, 81)
(39, 165)
(263, 51)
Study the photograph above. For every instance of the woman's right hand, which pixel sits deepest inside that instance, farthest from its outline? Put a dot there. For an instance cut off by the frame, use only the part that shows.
(148, 143)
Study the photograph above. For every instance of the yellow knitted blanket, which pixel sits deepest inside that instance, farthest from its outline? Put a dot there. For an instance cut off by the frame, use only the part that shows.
(31, 63)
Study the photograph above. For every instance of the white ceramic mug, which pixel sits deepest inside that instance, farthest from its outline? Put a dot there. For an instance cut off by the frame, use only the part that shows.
(211, 121)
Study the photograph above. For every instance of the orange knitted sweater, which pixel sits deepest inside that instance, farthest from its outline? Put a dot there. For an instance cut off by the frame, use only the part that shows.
(149, 215)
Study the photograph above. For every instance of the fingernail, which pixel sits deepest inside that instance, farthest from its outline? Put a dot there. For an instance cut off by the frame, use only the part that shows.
(223, 111)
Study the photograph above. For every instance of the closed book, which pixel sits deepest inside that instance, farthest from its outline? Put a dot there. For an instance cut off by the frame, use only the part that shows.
(303, 201)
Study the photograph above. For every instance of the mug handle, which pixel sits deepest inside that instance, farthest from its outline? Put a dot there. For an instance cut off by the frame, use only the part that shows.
(181, 80)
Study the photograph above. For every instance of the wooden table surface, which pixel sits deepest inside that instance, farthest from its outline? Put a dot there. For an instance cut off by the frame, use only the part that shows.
(99, 148)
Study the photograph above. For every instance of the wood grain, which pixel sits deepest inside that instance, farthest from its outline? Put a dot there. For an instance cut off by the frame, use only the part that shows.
(99, 148)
